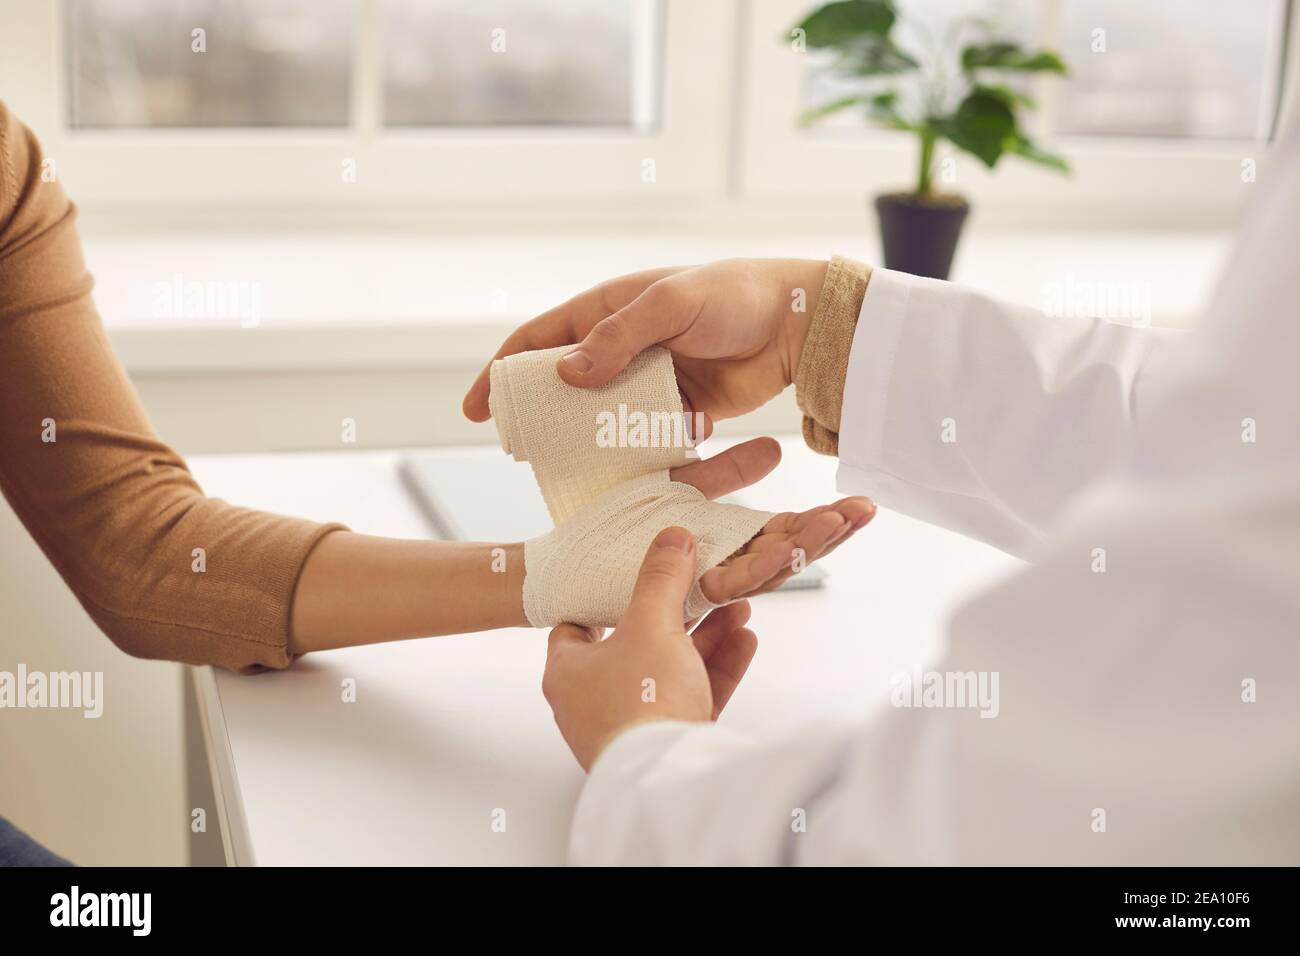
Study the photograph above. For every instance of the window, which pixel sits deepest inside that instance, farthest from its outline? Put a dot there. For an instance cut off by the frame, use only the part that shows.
(202, 63)
(1190, 69)
(288, 63)
(339, 109)
(581, 62)
(372, 105)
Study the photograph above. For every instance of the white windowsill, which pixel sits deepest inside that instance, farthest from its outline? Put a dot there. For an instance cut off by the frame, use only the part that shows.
(331, 302)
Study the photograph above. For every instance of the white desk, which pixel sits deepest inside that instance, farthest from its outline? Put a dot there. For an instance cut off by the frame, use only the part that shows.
(445, 731)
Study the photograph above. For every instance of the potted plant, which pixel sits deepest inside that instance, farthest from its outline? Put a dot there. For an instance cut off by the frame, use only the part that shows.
(970, 104)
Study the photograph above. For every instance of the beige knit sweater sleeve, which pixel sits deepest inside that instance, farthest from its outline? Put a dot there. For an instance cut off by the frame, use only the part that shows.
(114, 509)
(824, 362)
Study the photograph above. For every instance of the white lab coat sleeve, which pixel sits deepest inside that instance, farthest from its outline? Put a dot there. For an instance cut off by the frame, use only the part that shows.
(982, 416)
(1137, 712)
(679, 793)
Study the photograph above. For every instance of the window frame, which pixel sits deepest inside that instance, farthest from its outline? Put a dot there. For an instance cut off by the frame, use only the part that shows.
(726, 153)
(212, 167)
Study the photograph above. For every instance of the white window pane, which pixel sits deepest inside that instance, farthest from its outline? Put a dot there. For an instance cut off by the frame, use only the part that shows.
(518, 62)
(134, 63)
(1172, 68)
(933, 33)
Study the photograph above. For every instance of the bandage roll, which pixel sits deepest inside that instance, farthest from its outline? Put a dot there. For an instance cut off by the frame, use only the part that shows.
(601, 458)
(583, 441)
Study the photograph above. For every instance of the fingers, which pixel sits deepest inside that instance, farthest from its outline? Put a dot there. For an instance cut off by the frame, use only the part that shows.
(717, 624)
(728, 665)
(857, 510)
(812, 544)
(544, 332)
(666, 576)
(733, 469)
(766, 561)
(726, 646)
(857, 513)
(567, 323)
(811, 538)
(857, 520)
(809, 544)
(745, 573)
(657, 314)
(567, 634)
(698, 425)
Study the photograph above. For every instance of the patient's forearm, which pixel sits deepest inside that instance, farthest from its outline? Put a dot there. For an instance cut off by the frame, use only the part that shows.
(359, 589)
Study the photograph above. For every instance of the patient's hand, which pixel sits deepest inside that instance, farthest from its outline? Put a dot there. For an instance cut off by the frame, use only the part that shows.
(788, 542)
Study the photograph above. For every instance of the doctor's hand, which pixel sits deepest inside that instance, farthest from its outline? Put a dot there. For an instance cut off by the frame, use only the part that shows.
(732, 326)
(649, 668)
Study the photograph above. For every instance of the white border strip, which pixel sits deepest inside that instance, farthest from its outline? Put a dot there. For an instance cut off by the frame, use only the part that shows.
(644, 65)
(235, 838)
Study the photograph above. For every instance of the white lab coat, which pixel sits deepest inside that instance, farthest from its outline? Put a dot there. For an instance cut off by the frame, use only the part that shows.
(1125, 732)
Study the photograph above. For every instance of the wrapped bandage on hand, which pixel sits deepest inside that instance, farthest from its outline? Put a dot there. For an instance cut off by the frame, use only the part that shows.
(608, 492)
(556, 428)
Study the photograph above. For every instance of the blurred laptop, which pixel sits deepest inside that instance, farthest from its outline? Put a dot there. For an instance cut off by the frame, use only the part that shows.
(492, 497)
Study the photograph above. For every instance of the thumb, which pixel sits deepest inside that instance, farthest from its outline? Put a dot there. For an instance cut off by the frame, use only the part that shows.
(564, 634)
(657, 314)
(665, 579)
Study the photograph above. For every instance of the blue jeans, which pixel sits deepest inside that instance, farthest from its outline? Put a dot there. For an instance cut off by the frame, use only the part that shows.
(18, 849)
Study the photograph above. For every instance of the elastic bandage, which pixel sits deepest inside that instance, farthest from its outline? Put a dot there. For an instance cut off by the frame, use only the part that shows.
(601, 458)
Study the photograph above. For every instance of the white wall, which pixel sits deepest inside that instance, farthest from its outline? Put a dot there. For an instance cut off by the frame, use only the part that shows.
(109, 791)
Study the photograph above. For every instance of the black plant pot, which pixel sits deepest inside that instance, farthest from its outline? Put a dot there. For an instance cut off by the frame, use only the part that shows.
(920, 235)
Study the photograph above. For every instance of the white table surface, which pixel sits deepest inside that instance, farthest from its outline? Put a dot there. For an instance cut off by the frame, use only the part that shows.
(447, 731)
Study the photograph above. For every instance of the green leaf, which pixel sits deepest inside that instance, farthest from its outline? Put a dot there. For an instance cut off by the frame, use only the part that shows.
(834, 106)
(1023, 148)
(874, 56)
(1011, 97)
(1009, 56)
(983, 126)
(987, 54)
(846, 21)
(883, 109)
